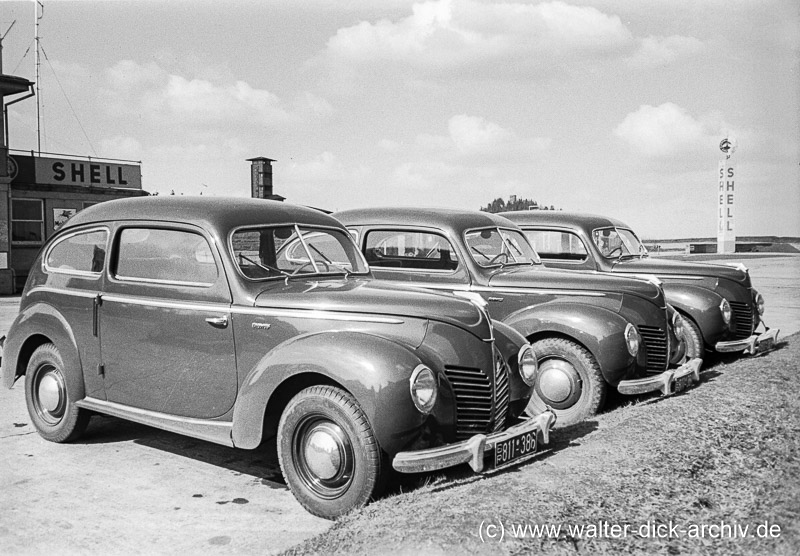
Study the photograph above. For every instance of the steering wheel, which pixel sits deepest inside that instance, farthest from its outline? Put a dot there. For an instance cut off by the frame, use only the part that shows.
(299, 269)
(496, 258)
(616, 249)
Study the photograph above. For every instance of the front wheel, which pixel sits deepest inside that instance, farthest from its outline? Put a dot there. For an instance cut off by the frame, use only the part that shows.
(569, 381)
(54, 415)
(692, 339)
(328, 453)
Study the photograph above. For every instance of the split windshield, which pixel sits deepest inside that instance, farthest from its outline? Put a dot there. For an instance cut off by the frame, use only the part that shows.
(292, 250)
(618, 243)
(499, 247)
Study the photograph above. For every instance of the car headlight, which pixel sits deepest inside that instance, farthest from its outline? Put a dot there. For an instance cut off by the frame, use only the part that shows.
(423, 388)
(677, 323)
(527, 364)
(632, 339)
(725, 310)
(759, 301)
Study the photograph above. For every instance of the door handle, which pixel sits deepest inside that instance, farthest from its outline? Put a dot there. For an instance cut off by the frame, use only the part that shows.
(218, 322)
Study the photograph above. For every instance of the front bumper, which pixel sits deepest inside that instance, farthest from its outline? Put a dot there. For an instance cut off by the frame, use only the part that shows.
(472, 450)
(663, 382)
(754, 345)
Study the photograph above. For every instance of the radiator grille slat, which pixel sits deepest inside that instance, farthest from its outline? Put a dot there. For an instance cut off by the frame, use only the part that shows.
(743, 319)
(481, 406)
(657, 348)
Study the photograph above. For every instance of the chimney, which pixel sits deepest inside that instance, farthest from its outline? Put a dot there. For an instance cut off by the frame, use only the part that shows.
(261, 179)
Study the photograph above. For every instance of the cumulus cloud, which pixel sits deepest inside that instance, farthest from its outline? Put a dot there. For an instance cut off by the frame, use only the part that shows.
(667, 130)
(662, 51)
(472, 136)
(457, 34)
(148, 90)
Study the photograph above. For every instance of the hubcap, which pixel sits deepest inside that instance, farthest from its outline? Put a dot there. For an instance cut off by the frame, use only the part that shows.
(323, 453)
(50, 393)
(323, 456)
(558, 384)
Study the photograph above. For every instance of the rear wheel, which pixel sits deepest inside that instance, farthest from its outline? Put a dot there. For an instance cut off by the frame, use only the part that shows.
(52, 412)
(569, 381)
(328, 453)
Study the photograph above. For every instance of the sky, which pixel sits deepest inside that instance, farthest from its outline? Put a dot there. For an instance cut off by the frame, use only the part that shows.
(609, 107)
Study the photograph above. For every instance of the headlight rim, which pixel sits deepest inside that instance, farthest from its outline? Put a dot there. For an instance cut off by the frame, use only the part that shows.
(424, 408)
(760, 303)
(633, 339)
(726, 311)
(523, 351)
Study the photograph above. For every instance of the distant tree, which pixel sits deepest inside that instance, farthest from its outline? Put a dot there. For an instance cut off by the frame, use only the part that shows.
(514, 204)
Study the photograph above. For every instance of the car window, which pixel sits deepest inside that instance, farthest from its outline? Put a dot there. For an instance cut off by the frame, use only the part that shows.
(279, 251)
(495, 246)
(165, 256)
(618, 243)
(79, 253)
(557, 245)
(410, 249)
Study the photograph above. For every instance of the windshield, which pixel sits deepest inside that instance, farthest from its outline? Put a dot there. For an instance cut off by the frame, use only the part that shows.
(292, 250)
(618, 243)
(495, 246)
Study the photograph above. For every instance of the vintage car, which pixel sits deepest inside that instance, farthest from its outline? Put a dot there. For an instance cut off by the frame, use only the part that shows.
(721, 309)
(589, 331)
(182, 313)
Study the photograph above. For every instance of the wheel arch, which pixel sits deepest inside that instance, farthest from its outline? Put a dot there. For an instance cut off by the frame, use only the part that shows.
(372, 369)
(596, 329)
(701, 305)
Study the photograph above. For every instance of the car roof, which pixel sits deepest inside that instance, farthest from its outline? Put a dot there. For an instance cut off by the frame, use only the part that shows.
(455, 220)
(210, 212)
(563, 219)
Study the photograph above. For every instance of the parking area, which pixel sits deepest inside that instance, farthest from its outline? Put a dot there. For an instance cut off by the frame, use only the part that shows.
(128, 488)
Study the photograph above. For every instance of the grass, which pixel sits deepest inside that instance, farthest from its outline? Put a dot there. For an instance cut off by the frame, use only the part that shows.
(701, 467)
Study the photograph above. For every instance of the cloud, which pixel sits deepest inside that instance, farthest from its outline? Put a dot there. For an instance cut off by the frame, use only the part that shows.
(453, 35)
(661, 51)
(473, 136)
(667, 130)
(146, 90)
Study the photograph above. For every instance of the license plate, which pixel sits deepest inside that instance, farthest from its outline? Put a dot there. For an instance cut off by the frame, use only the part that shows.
(765, 345)
(682, 384)
(515, 448)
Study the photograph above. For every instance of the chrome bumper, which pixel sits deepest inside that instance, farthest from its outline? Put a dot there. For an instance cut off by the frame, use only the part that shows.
(754, 345)
(663, 382)
(472, 450)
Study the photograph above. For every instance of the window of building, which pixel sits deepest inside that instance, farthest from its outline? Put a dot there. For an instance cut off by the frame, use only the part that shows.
(27, 221)
(165, 257)
(79, 253)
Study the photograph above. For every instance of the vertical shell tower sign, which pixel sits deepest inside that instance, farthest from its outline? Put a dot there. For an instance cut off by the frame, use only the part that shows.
(726, 231)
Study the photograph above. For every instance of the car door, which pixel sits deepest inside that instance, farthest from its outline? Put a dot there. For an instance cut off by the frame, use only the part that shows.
(165, 332)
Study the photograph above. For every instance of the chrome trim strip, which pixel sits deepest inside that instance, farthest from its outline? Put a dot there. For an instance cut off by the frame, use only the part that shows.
(63, 291)
(537, 291)
(160, 282)
(255, 311)
(679, 276)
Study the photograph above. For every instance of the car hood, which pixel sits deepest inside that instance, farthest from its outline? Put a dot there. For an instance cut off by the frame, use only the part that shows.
(573, 280)
(663, 267)
(373, 297)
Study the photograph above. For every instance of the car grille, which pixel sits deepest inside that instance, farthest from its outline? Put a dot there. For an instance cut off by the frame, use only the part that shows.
(477, 410)
(743, 318)
(656, 347)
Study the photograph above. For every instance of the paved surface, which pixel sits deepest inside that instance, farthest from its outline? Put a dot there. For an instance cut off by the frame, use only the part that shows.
(130, 489)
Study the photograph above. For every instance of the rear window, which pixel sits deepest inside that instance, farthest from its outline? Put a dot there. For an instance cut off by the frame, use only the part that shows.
(78, 253)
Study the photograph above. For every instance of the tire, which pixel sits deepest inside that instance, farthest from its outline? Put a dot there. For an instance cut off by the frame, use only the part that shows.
(53, 413)
(331, 419)
(693, 339)
(568, 381)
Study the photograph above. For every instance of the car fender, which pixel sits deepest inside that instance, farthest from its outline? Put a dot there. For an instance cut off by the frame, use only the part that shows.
(37, 324)
(701, 305)
(374, 370)
(599, 330)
